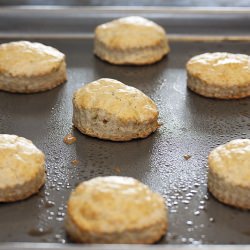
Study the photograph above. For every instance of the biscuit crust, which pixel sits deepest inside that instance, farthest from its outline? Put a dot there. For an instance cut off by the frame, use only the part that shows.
(131, 40)
(229, 173)
(27, 67)
(109, 109)
(219, 75)
(115, 210)
(22, 168)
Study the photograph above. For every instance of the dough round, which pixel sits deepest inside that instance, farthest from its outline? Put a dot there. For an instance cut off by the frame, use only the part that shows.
(115, 210)
(27, 67)
(109, 109)
(22, 168)
(229, 173)
(219, 75)
(131, 40)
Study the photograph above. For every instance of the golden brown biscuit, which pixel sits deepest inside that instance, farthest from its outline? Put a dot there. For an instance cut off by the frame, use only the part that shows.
(115, 210)
(109, 109)
(27, 67)
(131, 40)
(229, 173)
(22, 168)
(219, 75)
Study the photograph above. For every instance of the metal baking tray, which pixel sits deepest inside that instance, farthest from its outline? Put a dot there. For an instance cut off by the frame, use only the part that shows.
(192, 125)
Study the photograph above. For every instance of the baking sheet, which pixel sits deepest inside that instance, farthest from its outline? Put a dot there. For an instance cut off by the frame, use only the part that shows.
(192, 125)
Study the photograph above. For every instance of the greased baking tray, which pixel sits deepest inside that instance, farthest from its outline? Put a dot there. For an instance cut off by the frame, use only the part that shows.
(192, 125)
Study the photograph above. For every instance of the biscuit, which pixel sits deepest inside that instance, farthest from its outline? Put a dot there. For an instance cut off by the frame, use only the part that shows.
(130, 40)
(111, 110)
(115, 210)
(27, 67)
(22, 168)
(219, 75)
(229, 173)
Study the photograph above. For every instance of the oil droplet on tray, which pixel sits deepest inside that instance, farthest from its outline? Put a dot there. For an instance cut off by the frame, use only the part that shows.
(49, 204)
(189, 222)
(36, 232)
(211, 219)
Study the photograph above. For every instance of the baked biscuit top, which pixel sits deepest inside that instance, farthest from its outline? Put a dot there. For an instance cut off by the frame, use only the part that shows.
(221, 68)
(20, 160)
(116, 98)
(231, 161)
(114, 204)
(25, 59)
(130, 32)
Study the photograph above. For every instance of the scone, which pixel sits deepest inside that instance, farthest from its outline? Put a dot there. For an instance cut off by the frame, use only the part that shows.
(111, 110)
(27, 67)
(219, 75)
(130, 40)
(115, 210)
(229, 173)
(22, 168)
